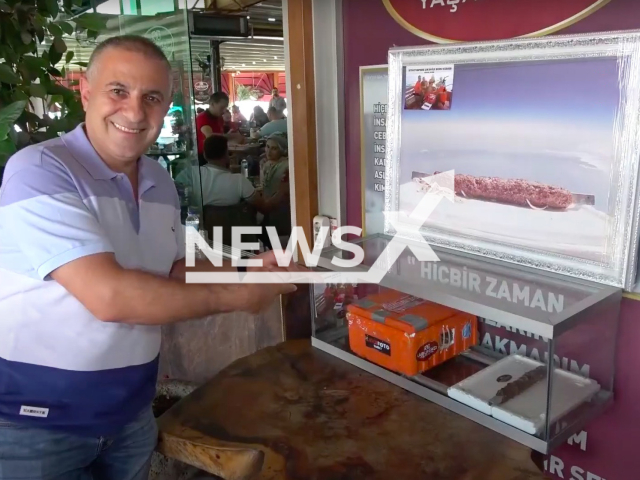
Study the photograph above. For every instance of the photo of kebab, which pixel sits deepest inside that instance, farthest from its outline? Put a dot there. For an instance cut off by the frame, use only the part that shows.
(523, 193)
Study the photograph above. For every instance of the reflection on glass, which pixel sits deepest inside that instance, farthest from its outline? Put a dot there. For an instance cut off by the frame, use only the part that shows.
(165, 24)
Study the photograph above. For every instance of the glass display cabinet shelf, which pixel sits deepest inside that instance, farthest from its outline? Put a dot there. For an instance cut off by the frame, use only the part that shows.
(539, 302)
(526, 353)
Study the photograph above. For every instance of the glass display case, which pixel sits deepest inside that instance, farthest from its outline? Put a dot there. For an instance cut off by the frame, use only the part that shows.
(527, 353)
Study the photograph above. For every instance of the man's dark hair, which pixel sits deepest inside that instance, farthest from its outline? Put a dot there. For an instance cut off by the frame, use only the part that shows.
(132, 43)
(218, 97)
(215, 147)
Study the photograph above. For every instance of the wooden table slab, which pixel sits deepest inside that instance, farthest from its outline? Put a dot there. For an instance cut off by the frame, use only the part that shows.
(294, 412)
(243, 147)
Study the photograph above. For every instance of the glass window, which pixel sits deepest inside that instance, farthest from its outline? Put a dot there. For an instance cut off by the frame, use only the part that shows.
(164, 22)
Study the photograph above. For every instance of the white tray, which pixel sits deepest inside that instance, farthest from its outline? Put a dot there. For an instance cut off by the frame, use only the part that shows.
(526, 411)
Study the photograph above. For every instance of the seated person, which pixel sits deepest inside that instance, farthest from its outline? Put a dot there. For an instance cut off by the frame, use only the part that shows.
(259, 117)
(275, 185)
(277, 124)
(226, 117)
(236, 115)
(218, 185)
(221, 187)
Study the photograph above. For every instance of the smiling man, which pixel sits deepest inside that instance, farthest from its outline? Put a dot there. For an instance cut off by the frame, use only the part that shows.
(91, 265)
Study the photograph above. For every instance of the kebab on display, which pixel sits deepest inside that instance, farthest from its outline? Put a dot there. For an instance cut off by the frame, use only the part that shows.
(523, 193)
(519, 385)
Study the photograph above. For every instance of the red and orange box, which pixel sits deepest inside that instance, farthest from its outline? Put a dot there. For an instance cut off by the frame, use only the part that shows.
(407, 334)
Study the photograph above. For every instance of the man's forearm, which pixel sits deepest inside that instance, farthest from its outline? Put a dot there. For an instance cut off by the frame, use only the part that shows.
(143, 298)
(116, 294)
(180, 268)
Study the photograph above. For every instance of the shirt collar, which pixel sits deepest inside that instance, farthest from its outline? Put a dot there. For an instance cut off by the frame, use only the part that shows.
(217, 167)
(146, 174)
(80, 147)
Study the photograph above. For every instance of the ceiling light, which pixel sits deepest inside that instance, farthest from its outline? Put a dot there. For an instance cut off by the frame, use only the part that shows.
(264, 59)
(254, 63)
(275, 58)
(272, 19)
(243, 65)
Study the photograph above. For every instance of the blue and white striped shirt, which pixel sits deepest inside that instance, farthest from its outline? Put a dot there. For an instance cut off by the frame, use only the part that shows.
(60, 367)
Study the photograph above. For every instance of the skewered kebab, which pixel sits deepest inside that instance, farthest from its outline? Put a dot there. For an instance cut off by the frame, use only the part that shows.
(518, 192)
(519, 385)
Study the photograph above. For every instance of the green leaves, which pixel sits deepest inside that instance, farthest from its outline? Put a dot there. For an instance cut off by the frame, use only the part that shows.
(26, 37)
(38, 90)
(30, 69)
(40, 34)
(20, 95)
(10, 113)
(34, 63)
(4, 132)
(60, 45)
(52, 7)
(67, 94)
(7, 75)
(55, 30)
(39, 21)
(8, 117)
(7, 148)
(54, 54)
(66, 27)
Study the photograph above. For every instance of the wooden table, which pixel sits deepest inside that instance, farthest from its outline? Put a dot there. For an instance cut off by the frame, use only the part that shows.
(294, 412)
(239, 148)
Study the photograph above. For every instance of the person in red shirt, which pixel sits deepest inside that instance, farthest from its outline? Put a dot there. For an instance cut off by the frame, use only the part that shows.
(210, 122)
(417, 88)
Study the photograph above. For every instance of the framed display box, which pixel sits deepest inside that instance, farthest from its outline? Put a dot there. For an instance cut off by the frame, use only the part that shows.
(458, 330)
(541, 138)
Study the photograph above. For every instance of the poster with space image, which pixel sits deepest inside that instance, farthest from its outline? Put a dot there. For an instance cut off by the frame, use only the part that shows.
(533, 149)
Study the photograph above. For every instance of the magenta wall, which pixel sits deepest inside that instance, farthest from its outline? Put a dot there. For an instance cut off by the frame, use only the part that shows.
(608, 450)
(369, 32)
(612, 440)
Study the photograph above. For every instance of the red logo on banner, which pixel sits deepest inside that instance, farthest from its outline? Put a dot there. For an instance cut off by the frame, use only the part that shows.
(445, 21)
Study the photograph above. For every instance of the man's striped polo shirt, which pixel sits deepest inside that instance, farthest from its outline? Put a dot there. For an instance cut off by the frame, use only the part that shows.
(60, 367)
